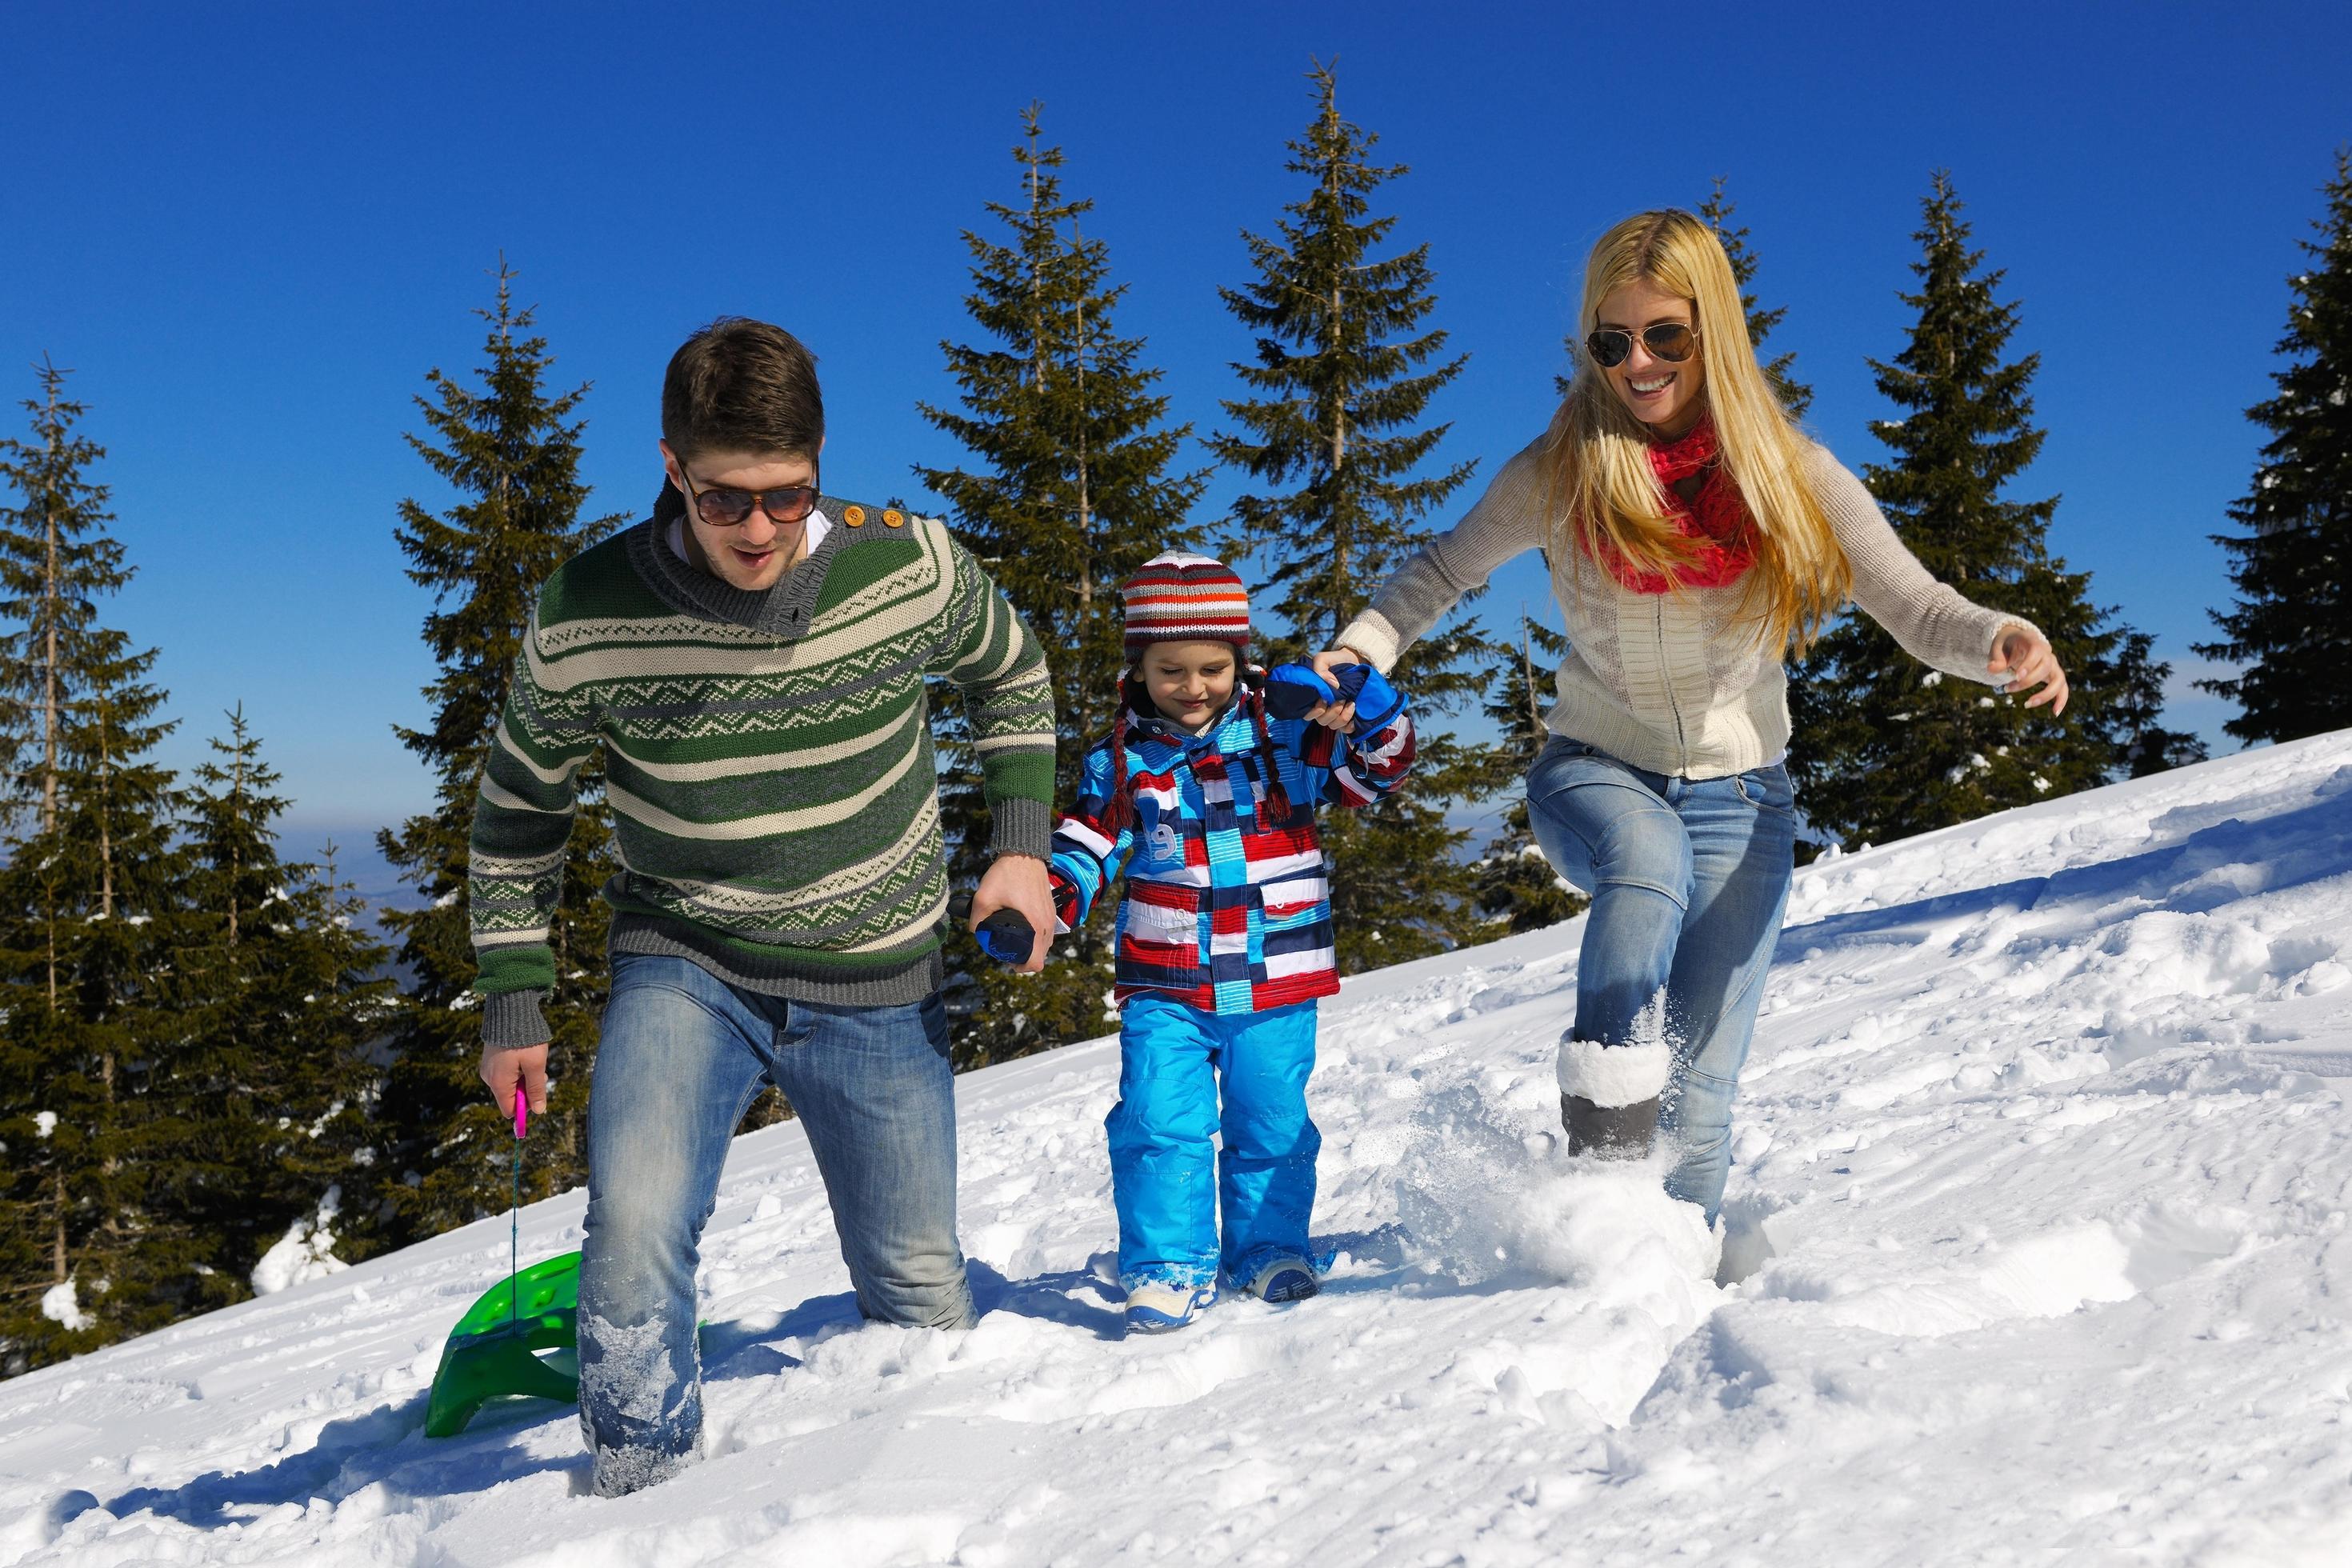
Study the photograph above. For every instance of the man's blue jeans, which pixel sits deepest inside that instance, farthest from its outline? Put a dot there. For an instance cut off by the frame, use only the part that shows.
(681, 1057)
(1688, 880)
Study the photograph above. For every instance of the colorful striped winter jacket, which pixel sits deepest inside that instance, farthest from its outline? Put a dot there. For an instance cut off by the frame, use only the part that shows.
(1223, 909)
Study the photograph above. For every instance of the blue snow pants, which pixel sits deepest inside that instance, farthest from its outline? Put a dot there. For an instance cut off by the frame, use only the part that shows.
(1168, 1178)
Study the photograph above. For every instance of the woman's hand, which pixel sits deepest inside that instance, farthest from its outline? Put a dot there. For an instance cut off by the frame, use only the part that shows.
(2024, 658)
(1335, 715)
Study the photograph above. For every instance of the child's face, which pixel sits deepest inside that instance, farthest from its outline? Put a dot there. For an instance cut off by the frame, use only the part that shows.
(1189, 681)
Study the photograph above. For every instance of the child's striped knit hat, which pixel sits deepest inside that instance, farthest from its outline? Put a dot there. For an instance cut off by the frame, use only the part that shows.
(1181, 597)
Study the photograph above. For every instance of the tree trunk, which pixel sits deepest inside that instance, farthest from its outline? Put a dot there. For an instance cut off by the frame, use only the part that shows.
(1528, 671)
(111, 1164)
(1340, 576)
(235, 853)
(105, 824)
(1085, 716)
(1086, 499)
(1036, 281)
(49, 655)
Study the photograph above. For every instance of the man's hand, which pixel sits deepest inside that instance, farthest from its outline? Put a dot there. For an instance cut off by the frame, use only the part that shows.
(1018, 882)
(507, 1069)
(2025, 659)
(1335, 715)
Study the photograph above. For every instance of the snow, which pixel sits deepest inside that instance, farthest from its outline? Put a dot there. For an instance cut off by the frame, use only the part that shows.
(2037, 1250)
(44, 1122)
(305, 1252)
(60, 1304)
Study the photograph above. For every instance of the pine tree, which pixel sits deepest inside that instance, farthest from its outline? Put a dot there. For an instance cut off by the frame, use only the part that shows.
(1074, 491)
(1516, 886)
(90, 866)
(1346, 368)
(2291, 629)
(1796, 396)
(274, 993)
(511, 450)
(1884, 747)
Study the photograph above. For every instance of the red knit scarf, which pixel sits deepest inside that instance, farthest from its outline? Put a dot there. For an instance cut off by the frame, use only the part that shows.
(1704, 505)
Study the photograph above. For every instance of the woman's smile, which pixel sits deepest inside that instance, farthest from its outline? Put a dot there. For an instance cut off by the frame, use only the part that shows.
(1663, 393)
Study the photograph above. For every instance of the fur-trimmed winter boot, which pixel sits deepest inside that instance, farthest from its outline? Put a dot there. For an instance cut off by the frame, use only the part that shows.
(1609, 1096)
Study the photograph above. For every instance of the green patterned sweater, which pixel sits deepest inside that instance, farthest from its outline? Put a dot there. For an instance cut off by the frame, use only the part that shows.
(775, 800)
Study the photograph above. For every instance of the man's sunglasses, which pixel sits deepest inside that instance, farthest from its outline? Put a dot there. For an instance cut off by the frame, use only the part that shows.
(723, 507)
(1669, 341)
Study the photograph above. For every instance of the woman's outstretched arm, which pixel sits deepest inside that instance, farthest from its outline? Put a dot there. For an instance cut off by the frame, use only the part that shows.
(1933, 621)
(1510, 518)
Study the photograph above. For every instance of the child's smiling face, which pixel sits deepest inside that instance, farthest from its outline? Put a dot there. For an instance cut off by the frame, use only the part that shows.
(1190, 681)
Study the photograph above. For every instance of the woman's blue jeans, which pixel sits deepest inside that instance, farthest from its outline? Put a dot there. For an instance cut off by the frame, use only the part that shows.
(681, 1056)
(1688, 880)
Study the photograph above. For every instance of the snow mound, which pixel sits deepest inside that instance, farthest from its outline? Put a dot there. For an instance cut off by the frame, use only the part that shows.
(61, 1303)
(2036, 1249)
(305, 1252)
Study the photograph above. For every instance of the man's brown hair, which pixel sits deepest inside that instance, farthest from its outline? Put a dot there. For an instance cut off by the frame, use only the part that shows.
(741, 385)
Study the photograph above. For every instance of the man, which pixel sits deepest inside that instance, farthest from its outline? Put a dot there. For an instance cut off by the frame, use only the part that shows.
(752, 659)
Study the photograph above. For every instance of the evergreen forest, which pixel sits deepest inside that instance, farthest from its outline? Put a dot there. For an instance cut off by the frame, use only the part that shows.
(223, 1072)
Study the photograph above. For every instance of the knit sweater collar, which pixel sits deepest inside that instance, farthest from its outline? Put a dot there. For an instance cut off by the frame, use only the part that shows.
(783, 612)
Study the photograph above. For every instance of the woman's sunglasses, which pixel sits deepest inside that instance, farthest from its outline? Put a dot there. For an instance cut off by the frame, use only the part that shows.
(725, 508)
(1669, 341)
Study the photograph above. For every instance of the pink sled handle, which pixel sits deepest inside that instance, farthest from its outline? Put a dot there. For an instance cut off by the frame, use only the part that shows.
(522, 1113)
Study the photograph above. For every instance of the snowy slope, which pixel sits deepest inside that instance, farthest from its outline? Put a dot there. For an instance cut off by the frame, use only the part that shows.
(2040, 1254)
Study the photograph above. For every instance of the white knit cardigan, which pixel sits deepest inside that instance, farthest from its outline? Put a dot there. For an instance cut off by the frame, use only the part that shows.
(1672, 683)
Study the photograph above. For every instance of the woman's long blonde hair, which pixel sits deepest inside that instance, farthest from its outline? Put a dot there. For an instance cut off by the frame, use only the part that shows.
(1605, 490)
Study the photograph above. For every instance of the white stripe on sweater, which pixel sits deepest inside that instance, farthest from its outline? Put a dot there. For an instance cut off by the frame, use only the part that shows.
(510, 868)
(728, 899)
(508, 744)
(769, 762)
(766, 825)
(497, 793)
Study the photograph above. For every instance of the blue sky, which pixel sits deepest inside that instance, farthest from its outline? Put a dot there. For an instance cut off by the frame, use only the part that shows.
(251, 229)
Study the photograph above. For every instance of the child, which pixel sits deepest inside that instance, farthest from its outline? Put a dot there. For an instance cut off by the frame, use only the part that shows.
(1224, 936)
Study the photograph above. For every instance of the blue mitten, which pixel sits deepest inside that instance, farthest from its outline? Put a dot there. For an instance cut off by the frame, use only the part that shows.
(1377, 702)
(1295, 690)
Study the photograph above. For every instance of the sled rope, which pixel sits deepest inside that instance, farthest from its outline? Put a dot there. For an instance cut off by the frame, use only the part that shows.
(514, 1214)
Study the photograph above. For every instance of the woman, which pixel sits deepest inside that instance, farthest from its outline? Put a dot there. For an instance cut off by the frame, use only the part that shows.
(1692, 533)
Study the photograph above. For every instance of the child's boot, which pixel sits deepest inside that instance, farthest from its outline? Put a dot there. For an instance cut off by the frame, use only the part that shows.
(1285, 1279)
(1162, 1306)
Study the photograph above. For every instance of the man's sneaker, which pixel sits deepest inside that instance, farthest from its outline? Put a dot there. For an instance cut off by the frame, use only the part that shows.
(1160, 1307)
(1286, 1280)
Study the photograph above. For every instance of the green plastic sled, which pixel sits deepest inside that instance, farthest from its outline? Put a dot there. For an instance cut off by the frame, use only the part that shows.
(495, 1347)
